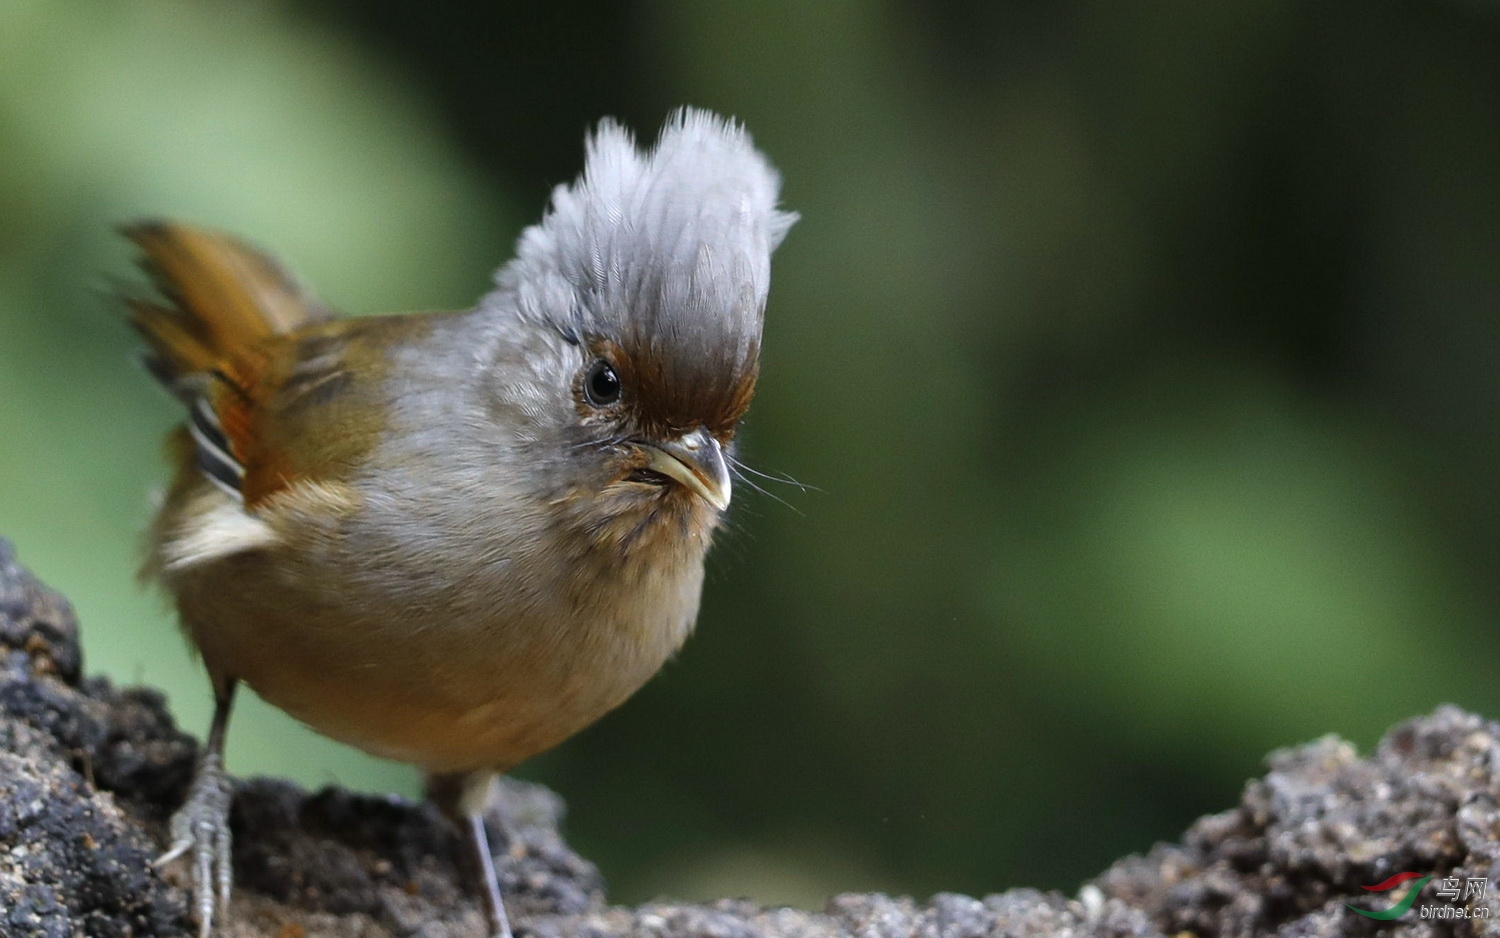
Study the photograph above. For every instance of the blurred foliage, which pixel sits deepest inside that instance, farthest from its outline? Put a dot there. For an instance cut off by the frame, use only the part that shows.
(1143, 357)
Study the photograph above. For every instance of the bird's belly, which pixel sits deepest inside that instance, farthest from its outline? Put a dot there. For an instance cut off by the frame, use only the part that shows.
(383, 714)
(446, 685)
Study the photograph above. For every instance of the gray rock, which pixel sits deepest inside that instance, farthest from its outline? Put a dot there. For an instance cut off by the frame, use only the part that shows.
(89, 774)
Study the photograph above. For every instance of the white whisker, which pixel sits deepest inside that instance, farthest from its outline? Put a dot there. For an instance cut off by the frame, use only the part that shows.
(735, 466)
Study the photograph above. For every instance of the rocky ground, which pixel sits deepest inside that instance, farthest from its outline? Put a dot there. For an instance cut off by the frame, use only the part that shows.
(89, 774)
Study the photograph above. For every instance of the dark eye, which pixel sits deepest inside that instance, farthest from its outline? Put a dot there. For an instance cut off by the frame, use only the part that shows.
(601, 386)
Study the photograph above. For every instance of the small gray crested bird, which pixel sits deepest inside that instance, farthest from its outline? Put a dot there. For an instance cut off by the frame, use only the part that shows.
(457, 539)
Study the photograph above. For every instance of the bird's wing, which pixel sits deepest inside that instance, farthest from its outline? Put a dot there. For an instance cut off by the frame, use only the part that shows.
(277, 390)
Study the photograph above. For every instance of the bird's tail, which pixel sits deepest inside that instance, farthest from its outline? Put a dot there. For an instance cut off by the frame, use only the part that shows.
(218, 298)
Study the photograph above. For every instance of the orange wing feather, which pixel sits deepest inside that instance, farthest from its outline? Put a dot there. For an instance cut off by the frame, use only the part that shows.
(218, 336)
(221, 296)
(277, 389)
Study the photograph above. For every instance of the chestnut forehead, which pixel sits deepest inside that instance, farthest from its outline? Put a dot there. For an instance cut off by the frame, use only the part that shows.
(670, 389)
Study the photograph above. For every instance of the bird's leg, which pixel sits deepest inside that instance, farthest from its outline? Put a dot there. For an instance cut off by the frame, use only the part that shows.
(465, 798)
(478, 789)
(201, 825)
(494, 902)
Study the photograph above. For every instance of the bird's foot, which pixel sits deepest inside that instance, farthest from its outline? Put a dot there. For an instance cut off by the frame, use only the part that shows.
(201, 826)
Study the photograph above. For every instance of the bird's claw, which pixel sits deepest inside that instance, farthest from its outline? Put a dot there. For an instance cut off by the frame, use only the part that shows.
(201, 826)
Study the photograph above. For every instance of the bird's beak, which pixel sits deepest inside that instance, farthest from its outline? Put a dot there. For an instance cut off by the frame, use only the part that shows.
(697, 461)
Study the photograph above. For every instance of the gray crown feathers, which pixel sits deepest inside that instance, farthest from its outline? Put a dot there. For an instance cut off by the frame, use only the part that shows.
(668, 250)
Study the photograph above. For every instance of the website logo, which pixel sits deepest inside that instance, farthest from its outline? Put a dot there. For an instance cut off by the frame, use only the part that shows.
(1451, 890)
(1400, 908)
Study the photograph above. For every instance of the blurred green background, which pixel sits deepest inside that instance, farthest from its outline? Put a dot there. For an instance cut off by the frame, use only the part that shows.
(1144, 357)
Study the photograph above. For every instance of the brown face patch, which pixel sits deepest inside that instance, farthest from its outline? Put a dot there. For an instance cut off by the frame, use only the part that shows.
(636, 518)
(666, 395)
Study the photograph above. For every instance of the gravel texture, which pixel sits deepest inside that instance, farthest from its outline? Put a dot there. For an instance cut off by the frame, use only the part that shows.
(89, 774)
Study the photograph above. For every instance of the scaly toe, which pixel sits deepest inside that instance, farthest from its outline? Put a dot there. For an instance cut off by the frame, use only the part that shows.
(201, 827)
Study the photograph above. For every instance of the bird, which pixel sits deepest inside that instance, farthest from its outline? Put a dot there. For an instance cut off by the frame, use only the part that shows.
(455, 539)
